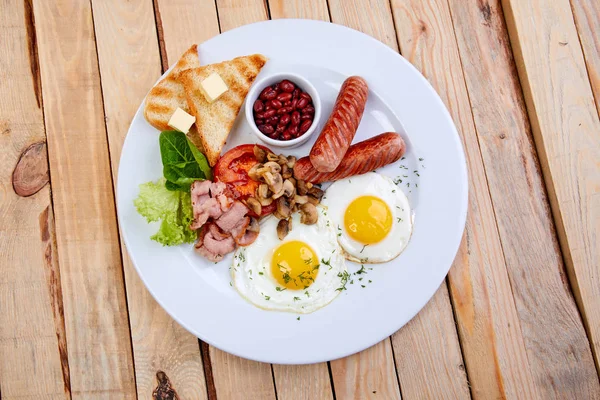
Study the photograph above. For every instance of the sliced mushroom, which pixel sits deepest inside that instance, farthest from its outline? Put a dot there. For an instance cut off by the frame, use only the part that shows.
(274, 181)
(255, 172)
(262, 192)
(282, 160)
(286, 172)
(300, 199)
(288, 188)
(260, 154)
(283, 208)
(254, 205)
(312, 199)
(291, 161)
(254, 225)
(266, 201)
(283, 228)
(316, 192)
(274, 168)
(308, 214)
(272, 157)
(301, 186)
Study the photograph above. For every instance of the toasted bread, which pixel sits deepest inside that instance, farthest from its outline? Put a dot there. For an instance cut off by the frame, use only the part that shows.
(215, 120)
(168, 94)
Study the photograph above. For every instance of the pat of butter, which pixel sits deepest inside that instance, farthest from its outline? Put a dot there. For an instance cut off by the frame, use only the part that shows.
(213, 87)
(181, 121)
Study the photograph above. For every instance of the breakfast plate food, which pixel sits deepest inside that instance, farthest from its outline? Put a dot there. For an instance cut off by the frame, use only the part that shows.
(292, 191)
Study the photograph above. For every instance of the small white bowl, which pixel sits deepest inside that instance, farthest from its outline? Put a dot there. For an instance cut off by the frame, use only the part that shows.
(299, 81)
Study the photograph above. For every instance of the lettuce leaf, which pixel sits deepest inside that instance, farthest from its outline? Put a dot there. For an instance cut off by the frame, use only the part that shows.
(182, 162)
(156, 203)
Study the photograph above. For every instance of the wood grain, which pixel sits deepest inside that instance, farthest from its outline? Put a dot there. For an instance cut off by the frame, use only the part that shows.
(557, 347)
(97, 327)
(128, 69)
(369, 374)
(427, 353)
(438, 369)
(489, 327)
(566, 130)
(32, 333)
(305, 9)
(587, 19)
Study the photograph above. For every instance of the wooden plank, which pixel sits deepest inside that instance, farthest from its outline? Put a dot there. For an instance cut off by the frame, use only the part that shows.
(97, 328)
(489, 327)
(554, 335)
(129, 68)
(566, 130)
(587, 19)
(441, 357)
(427, 353)
(301, 381)
(369, 374)
(311, 9)
(32, 332)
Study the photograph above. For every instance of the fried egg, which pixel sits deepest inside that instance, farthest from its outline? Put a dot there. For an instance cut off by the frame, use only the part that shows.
(372, 217)
(301, 273)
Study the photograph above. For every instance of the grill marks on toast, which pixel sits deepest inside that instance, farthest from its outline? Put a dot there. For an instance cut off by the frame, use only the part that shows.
(166, 96)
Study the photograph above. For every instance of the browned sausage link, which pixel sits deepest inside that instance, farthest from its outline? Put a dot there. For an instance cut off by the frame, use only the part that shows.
(361, 158)
(335, 138)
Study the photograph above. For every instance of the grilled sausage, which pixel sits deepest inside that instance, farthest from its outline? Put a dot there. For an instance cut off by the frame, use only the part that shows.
(361, 158)
(335, 138)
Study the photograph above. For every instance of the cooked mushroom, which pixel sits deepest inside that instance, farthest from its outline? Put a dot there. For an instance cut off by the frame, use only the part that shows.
(312, 199)
(282, 160)
(260, 154)
(291, 161)
(265, 201)
(274, 168)
(255, 172)
(286, 172)
(283, 208)
(272, 157)
(316, 192)
(301, 186)
(262, 192)
(283, 228)
(308, 213)
(254, 205)
(300, 199)
(254, 225)
(288, 188)
(274, 181)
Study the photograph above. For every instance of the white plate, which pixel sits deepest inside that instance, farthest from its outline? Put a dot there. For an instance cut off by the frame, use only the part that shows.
(197, 293)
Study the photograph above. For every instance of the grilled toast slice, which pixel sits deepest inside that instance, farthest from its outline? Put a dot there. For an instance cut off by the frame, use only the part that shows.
(168, 94)
(215, 120)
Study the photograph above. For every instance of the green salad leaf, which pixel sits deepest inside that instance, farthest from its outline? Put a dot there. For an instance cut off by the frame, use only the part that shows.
(182, 162)
(174, 208)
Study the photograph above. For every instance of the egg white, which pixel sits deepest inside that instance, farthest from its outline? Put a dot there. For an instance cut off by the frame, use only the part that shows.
(251, 268)
(340, 194)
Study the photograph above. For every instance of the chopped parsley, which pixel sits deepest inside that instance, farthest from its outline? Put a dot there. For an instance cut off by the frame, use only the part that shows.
(298, 318)
(361, 270)
(267, 298)
(343, 280)
(306, 293)
(296, 298)
(260, 273)
(279, 289)
(399, 219)
(308, 261)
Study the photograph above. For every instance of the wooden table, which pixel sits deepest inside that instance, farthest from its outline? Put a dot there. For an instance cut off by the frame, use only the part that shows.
(519, 314)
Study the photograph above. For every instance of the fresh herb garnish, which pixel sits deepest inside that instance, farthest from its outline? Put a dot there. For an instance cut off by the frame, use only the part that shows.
(344, 280)
(182, 162)
(279, 289)
(296, 298)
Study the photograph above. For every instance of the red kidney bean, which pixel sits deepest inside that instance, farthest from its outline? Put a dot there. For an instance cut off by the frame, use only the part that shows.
(302, 103)
(285, 119)
(295, 118)
(274, 135)
(287, 103)
(286, 135)
(271, 95)
(273, 119)
(259, 115)
(258, 106)
(284, 110)
(296, 93)
(266, 129)
(306, 116)
(270, 113)
(276, 87)
(294, 104)
(308, 110)
(268, 107)
(293, 131)
(287, 86)
(280, 129)
(283, 97)
(264, 92)
(276, 104)
(259, 121)
(305, 126)
(306, 96)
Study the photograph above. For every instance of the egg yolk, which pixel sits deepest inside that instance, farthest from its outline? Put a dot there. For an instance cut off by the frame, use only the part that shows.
(368, 219)
(294, 265)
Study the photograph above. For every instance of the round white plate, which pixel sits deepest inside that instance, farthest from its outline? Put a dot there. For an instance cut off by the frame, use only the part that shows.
(197, 293)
